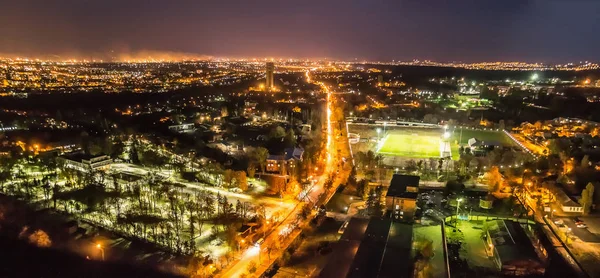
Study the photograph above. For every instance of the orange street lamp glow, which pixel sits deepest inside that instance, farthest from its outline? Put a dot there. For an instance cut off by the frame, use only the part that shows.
(101, 250)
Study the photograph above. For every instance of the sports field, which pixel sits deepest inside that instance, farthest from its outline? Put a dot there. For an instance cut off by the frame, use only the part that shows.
(482, 135)
(411, 145)
(428, 143)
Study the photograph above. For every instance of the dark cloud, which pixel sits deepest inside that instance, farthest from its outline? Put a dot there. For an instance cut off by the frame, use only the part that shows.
(550, 31)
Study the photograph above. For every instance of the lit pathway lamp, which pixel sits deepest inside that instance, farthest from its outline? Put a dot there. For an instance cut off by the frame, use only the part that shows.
(99, 246)
(240, 245)
(457, 206)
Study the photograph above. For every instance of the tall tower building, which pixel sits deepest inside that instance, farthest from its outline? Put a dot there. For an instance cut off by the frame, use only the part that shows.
(269, 76)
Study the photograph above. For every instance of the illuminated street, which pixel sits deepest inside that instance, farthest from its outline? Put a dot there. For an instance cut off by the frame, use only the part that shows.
(274, 139)
(290, 222)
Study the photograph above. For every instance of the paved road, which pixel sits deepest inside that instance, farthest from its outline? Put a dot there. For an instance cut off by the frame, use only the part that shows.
(286, 229)
(582, 233)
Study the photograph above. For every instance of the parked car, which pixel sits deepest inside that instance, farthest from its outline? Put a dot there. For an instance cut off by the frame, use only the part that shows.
(581, 225)
(236, 190)
(343, 227)
(559, 222)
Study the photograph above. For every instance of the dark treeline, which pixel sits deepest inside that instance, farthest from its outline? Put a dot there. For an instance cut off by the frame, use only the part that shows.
(50, 102)
(424, 72)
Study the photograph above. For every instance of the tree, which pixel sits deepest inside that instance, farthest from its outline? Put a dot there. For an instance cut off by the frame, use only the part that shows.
(117, 149)
(494, 179)
(232, 236)
(305, 212)
(85, 142)
(278, 184)
(252, 267)
(228, 178)
(276, 133)
(251, 170)
(241, 180)
(40, 239)
(238, 208)
(374, 207)
(587, 197)
(423, 257)
(153, 158)
(134, 156)
(585, 161)
(259, 155)
(501, 124)
(361, 188)
(290, 138)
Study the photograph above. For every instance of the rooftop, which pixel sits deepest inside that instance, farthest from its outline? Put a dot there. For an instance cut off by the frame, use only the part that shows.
(511, 242)
(80, 156)
(561, 196)
(372, 248)
(345, 249)
(289, 153)
(399, 184)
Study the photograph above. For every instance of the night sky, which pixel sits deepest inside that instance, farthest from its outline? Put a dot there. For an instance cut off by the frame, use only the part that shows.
(553, 31)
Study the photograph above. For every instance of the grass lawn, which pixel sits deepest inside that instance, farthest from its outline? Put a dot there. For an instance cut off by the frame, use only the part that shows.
(482, 135)
(414, 145)
(425, 143)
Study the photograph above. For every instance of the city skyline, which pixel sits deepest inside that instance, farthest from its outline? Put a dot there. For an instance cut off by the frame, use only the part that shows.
(533, 31)
(337, 138)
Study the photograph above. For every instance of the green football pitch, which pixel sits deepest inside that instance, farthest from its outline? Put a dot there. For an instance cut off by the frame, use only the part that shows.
(427, 143)
(411, 145)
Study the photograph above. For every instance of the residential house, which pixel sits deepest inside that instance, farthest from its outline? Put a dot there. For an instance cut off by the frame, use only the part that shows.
(284, 163)
(401, 197)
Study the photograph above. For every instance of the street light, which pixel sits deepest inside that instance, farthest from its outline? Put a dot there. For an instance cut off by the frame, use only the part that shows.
(457, 205)
(99, 246)
(240, 245)
(534, 77)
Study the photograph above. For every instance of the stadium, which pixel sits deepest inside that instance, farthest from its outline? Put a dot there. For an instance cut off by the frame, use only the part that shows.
(421, 141)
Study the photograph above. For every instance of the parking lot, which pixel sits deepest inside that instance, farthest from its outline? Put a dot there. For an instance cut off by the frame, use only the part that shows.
(431, 199)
